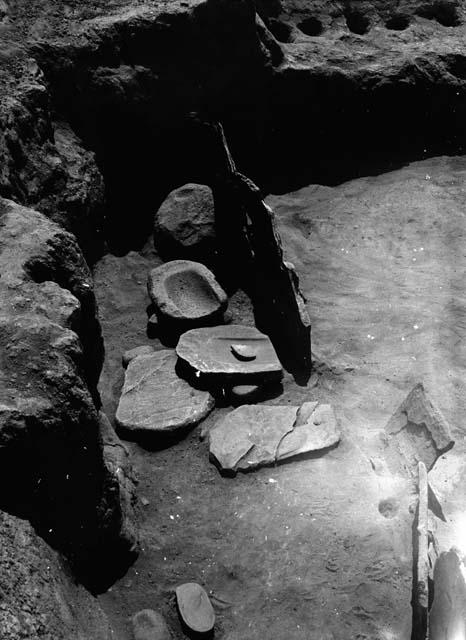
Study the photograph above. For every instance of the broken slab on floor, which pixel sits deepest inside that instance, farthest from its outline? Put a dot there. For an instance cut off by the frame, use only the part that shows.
(416, 432)
(257, 435)
(187, 292)
(212, 351)
(155, 400)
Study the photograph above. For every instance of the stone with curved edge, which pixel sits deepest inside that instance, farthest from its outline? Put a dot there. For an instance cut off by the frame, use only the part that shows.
(186, 291)
(243, 351)
(150, 625)
(155, 400)
(195, 607)
(209, 351)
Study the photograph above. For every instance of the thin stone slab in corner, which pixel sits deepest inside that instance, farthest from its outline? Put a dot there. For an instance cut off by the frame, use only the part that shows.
(417, 431)
(257, 435)
(209, 351)
(155, 400)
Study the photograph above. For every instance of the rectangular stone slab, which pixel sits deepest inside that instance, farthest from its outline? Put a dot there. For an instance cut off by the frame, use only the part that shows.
(210, 350)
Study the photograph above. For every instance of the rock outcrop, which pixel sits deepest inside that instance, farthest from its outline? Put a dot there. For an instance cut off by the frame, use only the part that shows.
(52, 469)
(38, 596)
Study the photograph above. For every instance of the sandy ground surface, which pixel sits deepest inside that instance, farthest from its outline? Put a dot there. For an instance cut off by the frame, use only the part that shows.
(319, 548)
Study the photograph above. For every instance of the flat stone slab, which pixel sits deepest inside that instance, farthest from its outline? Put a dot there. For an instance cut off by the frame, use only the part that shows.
(186, 291)
(155, 400)
(258, 435)
(416, 432)
(195, 607)
(209, 351)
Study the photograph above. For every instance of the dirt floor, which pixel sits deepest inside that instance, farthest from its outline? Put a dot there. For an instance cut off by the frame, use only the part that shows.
(319, 548)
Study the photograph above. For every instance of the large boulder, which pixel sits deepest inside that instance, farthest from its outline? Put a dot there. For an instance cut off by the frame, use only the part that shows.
(52, 467)
(184, 225)
(155, 402)
(38, 596)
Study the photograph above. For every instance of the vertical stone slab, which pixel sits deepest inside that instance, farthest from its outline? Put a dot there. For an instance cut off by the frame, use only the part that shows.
(421, 547)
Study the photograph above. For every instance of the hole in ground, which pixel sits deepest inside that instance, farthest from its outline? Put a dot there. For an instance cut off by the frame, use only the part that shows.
(311, 26)
(282, 31)
(357, 22)
(398, 23)
(445, 13)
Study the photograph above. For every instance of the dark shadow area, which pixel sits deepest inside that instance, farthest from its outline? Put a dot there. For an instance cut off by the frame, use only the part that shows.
(444, 12)
(357, 22)
(311, 26)
(281, 31)
(156, 441)
(398, 22)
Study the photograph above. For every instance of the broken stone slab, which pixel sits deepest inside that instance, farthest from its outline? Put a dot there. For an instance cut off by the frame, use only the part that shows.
(186, 292)
(416, 432)
(447, 618)
(244, 393)
(134, 353)
(208, 350)
(195, 608)
(257, 435)
(150, 625)
(184, 225)
(155, 400)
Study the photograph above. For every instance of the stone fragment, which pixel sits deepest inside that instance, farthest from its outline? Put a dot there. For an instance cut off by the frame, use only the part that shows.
(184, 225)
(257, 435)
(243, 351)
(186, 291)
(155, 400)
(150, 625)
(195, 607)
(417, 431)
(119, 495)
(208, 350)
(447, 618)
(315, 428)
(134, 353)
(245, 392)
